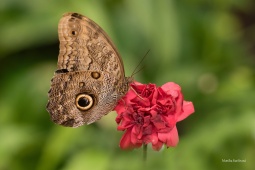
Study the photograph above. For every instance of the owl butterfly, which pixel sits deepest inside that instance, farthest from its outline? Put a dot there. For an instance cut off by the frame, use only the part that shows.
(90, 77)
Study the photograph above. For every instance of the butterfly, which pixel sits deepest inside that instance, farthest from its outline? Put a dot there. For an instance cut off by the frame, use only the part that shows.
(90, 76)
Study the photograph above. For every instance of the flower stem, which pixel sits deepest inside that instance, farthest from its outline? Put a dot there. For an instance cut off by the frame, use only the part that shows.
(144, 152)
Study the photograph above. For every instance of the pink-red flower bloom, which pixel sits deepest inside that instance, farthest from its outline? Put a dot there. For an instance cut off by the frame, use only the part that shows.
(148, 114)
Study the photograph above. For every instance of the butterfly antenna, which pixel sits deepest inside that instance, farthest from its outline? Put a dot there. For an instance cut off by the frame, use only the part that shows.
(135, 70)
(138, 70)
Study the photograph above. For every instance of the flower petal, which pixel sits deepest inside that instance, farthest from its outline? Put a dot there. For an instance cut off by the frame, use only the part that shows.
(158, 122)
(125, 141)
(152, 138)
(136, 134)
(171, 138)
(157, 146)
(120, 107)
(171, 88)
(188, 109)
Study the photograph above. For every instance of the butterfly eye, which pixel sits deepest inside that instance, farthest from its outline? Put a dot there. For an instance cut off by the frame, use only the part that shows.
(84, 102)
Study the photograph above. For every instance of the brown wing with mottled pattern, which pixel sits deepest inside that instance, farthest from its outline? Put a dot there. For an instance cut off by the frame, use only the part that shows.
(90, 77)
(85, 46)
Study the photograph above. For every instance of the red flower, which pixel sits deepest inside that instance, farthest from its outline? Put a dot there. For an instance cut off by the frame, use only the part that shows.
(148, 114)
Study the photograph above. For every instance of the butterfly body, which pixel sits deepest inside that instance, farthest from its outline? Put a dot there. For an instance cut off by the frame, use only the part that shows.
(90, 78)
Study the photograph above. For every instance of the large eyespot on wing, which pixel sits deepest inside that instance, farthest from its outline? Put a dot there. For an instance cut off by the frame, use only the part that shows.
(72, 97)
(78, 98)
(85, 46)
(84, 101)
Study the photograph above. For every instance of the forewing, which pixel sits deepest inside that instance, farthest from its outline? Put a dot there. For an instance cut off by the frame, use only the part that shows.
(85, 46)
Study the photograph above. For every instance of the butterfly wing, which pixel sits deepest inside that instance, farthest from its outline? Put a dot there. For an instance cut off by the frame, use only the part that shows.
(85, 46)
(90, 70)
(78, 98)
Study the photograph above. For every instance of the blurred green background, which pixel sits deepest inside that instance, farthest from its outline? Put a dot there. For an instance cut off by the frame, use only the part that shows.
(208, 47)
